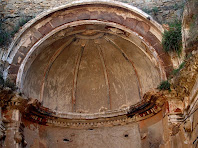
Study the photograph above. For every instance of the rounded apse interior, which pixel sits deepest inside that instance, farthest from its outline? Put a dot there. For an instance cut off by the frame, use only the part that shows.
(91, 71)
(75, 59)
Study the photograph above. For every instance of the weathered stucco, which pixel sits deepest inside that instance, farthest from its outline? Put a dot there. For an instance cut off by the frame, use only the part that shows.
(117, 52)
(108, 137)
(86, 75)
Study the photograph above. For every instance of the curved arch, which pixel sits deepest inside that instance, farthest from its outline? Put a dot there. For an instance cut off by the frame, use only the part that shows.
(136, 20)
(124, 21)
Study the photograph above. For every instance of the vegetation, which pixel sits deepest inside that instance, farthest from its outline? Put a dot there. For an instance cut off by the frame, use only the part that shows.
(21, 22)
(154, 10)
(176, 71)
(164, 85)
(5, 35)
(172, 38)
(180, 6)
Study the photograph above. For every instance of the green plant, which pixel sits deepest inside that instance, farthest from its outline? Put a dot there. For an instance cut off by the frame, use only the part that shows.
(176, 6)
(176, 71)
(20, 23)
(125, 1)
(146, 10)
(155, 10)
(172, 39)
(181, 66)
(179, 6)
(164, 85)
(4, 36)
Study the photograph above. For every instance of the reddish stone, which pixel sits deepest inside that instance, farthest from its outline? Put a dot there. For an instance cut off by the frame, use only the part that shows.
(167, 107)
(23, 50)
(158, 48)
(94, 15)
(13, 69)
(130, 23)
(144, 124)
(104, 16)
(111, 17)
(152, 39)
(81, 27)
(149, 111)
(83, 16)
(167, 63)
(168, 70)
(178, 110)
(13, 77)
(45, 29)
(57, 21)
(70, 17)
(116, 18)
(142, 28)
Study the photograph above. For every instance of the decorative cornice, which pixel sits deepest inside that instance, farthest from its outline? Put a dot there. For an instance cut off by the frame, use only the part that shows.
(32, 109)
(151, 104)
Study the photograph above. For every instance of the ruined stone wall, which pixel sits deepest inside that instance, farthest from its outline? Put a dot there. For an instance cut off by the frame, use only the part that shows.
(125, 136)
(54, 137)
(15, 13)
(13, 10)
(190, 25)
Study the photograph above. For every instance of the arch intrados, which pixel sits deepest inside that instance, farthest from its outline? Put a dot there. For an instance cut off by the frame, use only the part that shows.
(27, 61)
(156, 31)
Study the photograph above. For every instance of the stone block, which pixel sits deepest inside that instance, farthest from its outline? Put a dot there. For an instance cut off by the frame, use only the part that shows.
(94, 15)
(142, 28)
(13, 69)
(18, 58)
(83, 15)
(130, 23)
(45, 29)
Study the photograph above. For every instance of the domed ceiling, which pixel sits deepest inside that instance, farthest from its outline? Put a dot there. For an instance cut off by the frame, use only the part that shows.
(91, 72)
(89, 58)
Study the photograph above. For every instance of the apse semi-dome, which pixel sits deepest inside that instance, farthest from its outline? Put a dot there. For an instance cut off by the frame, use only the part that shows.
(89, 57)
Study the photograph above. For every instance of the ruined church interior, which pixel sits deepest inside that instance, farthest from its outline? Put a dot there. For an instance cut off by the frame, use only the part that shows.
(100, 74)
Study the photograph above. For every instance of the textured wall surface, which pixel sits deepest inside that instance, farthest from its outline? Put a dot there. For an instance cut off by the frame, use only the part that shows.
(126, 136)
(114, 137)
(171, 128)
(161, 10)
(15, 13)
